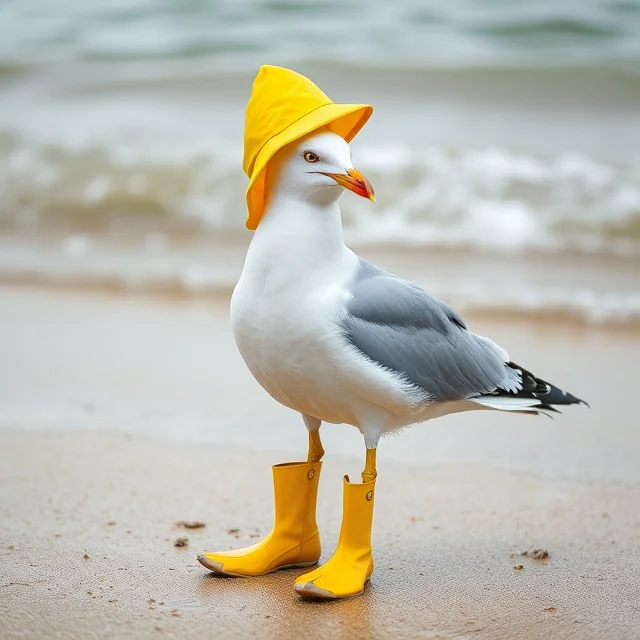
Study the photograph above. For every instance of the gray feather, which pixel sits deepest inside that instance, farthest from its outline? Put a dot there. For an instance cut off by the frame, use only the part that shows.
(400, 326)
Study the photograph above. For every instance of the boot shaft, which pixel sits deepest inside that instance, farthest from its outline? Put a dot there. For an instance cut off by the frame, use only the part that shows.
(295, 487)
(357, 519)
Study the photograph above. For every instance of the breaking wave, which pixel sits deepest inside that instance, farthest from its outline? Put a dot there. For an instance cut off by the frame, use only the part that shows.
(485, 198)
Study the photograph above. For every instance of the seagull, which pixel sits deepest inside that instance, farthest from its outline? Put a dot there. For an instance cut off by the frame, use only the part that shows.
(341, 341)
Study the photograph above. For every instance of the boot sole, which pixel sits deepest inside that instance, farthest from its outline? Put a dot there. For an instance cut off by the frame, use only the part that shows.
(217, 568)
(311, 592)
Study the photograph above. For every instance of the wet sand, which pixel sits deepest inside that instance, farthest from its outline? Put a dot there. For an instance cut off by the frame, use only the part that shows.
(121, 416)
(169, 368)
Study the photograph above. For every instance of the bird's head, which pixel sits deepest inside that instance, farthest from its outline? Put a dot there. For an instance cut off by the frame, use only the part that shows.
(317, 169)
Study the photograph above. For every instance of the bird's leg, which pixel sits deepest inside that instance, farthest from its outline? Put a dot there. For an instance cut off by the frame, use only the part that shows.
(316, 450)
(370, 473)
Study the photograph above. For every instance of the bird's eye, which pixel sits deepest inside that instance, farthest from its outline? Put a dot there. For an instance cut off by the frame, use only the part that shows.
(309, 156)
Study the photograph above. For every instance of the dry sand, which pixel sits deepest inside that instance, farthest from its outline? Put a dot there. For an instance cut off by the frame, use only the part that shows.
(88, 549)
(87, 515)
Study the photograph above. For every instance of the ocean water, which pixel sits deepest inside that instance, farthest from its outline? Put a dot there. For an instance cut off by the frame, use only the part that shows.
(503, 132)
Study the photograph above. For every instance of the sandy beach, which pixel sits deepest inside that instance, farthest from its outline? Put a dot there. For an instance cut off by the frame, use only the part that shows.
(504, 154)
(122, 416)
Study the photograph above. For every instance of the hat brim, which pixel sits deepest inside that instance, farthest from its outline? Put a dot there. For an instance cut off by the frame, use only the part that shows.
(344, 119)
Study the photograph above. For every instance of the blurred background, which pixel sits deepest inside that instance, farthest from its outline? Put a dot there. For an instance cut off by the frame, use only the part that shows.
(499, 128)
(504, 149)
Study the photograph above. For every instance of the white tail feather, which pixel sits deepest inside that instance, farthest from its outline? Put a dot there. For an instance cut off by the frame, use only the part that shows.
(508, 404)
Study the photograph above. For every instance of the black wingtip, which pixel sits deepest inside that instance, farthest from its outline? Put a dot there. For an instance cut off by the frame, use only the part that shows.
(547, 393)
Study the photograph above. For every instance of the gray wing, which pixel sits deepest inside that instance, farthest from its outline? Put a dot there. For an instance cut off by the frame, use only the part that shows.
(403, 328)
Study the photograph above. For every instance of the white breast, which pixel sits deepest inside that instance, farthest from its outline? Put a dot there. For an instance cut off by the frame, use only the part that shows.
(284, 323)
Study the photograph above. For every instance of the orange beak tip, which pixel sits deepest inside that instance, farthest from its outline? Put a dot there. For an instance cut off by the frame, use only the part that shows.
(354, 181)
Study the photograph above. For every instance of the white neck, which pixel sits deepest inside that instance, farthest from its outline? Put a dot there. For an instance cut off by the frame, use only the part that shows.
(296, 249)
(300, 232)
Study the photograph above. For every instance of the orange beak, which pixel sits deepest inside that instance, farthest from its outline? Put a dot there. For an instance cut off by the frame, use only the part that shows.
(354, 181)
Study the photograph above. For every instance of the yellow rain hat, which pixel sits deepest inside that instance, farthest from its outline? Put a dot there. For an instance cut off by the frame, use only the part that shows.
(285, 106)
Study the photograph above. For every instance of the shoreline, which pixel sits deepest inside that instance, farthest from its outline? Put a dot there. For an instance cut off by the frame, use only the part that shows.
(177, 295)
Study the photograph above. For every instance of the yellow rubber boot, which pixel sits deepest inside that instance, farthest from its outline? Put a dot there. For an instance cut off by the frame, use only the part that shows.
(294, 540)
(346, 572)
